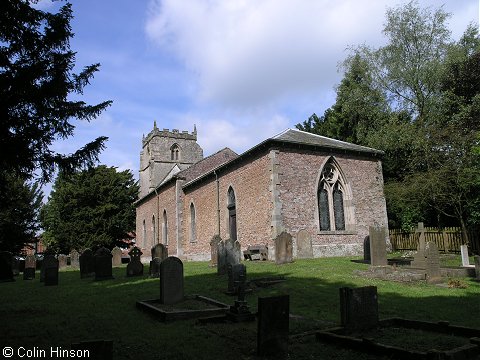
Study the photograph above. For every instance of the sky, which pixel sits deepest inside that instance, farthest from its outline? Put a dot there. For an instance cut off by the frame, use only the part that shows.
(240, 70)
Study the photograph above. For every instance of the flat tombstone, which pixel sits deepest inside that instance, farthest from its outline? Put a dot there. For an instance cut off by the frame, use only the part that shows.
(214, 250)
(30, 264)
(135, 266)
(304, 245)
(62, 261)
(87, 264)
(103, 264)
(477, 266)
(74, 259)
(378, 246)
(273, 326)
(50, 265)
(283, 248)
(432, 261)
(236, 273)
(116, 256)
(366, 250)
(171, 280)
(6, 272)
(359, 308)
(221, 258)
(464, 252)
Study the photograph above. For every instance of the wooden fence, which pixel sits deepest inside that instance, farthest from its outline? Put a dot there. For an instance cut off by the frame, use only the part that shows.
(447, 239)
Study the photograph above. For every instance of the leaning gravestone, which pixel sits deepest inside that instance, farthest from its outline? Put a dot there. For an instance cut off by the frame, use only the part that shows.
(159, 253)
(135, 266)
(171, 280)
(432, 262)
(235, 273)
(103, 264)
(29, 271)
(214, 250)
(304, 245)
(221, 258)
(477, 267)
(359, 308)
(273, 326)
(87, 264)
(378, 247)
(366, 250)
(50, 265)
(283, 248)
(464, 252)
(62, 261)
(419, 257)
(74, 259)
(116, 256)
(6, 273)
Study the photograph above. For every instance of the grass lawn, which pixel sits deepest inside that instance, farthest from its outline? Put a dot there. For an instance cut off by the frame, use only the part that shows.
(33, 315)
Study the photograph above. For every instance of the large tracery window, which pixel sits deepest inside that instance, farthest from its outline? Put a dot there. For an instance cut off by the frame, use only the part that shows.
(331, 195)
(175, 152)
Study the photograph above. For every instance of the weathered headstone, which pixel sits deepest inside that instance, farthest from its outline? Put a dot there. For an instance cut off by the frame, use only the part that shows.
(419, 257)
(135, 266)
(378, 247)
(6, 272)
(50, 265)
(221, 258)
(74, 259)
(464, 252)
(283, 248)
(304, 245)
(62, 261)
(233, 253)
(235, 274)
(116, 256)
(171, 280)
(477, 266)
(159, 253)
(30, 264)
(214, 250)
(240, 312)
(366, 250)
(87, 264)
(103, 264)
(359, 308)
(273, 326)
(432, 262)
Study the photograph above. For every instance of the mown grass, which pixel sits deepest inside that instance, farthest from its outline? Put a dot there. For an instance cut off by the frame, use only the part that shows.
(82, 309)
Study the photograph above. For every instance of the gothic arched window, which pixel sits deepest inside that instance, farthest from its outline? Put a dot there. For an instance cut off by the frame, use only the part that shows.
(165, 228)
(330, 197)
(144, 234)
(154, 231)
(175, 152)
(193, 223)
(232, 214)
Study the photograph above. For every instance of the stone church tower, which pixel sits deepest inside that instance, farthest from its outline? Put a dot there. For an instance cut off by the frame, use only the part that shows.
(165, 153)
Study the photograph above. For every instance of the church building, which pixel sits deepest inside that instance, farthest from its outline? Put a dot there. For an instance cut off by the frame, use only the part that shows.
(324, 192)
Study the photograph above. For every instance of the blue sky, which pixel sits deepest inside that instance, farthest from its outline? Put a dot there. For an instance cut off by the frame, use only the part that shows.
(241, 70)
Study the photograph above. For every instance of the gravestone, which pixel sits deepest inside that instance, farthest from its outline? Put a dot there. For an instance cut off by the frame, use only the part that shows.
(103, 264)
(283, 248)
(359, 308)
(214, 250)
(116, 256)
(62, 261)
(378, 247)
(432, 262)
(366, 250)
(477, 267)
(233, 253)
(15, 266)
(464, 252)
(50, 265)
(87, 264)
(159, 253)
(30, 264)
(239, 311)
(135, 266)
(221, 258)
(171, 280)
(235, 274)
(304, 245)
(74, 259)
(6, 272)
(419, 257)
(273, 326)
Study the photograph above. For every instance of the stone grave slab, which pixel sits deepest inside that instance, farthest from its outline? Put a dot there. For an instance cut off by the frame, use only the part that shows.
(464, 253)
(273, 326)
(233, 253)
(62, 261)
(15, 266)
(30, 265)
(235, 274)
(74, 259)
(366, 250)
(135, 266)
(283, 248)
(359, 308)
(419, 257)
(221, 258)
(477, 267)
(432, 262)
(214, 250)
(378, 247)
(304, 245)
(51, 265)
(87, 264)
(171, 280)
(103, 264)
(159, 253)
(116, 256)
(6, 272)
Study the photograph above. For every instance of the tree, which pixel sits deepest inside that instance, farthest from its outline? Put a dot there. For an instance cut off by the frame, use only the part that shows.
(91, 208)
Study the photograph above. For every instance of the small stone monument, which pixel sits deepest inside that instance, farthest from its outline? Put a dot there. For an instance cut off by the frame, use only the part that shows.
(432, 262)
(50, 265)
(6, 272)
(359, 308)
(464, 252)
(116, 256)
(135, 266)
(235, 273)
(74, 259)
(214, 250)
(171, 280)
(159, 253)
(221, 258)
(30, 264)
(62, 261)
(273, 326)
(304, 245)
(419, 257)
(283, 248)
(87, 264)
(103, 264)
(233, 253)
(477, 267)
(378, 247)
(366, 250)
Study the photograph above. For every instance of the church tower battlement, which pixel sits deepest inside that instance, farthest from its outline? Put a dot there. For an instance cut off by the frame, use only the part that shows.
(165, 153)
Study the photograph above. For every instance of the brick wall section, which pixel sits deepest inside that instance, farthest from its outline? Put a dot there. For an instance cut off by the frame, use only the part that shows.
(298, 181)
(167, 201)
(145, 211)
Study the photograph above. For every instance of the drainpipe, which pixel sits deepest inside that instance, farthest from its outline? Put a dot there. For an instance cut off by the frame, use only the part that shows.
(218, 202)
